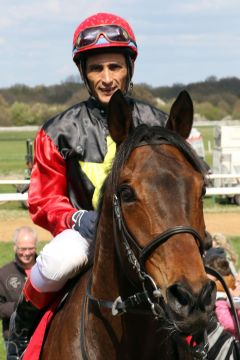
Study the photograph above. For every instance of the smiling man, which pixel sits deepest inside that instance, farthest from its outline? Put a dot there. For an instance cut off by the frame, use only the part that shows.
(73, 154)
(13, 275)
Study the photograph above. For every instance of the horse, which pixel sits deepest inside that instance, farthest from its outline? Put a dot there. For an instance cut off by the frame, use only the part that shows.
(147, 289)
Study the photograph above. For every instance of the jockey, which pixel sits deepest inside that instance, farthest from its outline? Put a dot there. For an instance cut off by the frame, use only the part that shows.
(73, 153)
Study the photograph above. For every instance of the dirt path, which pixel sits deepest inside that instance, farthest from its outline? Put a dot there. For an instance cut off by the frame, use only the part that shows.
(226, 223)
(8, 226)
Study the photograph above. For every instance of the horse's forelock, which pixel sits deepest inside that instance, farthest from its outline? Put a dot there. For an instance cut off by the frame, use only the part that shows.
(152, 135)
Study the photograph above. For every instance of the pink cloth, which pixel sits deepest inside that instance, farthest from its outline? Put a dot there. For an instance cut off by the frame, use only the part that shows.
(27, 271)
(225, 317)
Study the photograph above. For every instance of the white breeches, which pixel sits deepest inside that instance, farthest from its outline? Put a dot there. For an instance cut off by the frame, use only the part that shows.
(60, 260)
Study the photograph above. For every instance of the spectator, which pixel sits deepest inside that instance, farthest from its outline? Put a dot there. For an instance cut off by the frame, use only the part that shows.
(220, 240)
(216, 258)
(14, 274)
(236, 291)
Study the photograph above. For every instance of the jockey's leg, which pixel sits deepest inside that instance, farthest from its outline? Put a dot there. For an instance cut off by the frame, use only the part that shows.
(60, 260)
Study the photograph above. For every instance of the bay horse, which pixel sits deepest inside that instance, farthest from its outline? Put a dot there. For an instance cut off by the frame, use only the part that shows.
(148, 289)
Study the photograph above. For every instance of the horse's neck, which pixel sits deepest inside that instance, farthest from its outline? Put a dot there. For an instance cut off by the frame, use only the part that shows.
(101, 327)
(104, 275)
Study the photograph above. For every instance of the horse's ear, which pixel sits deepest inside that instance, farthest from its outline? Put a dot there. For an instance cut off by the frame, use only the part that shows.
(119, 117)
(181, 115)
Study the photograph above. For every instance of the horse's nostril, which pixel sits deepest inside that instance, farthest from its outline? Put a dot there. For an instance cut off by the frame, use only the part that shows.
(180, 294)
(179, 299)
(207, 297)
(183, 302)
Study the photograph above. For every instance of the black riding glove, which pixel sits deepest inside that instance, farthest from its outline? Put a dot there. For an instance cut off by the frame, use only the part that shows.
(84, 222)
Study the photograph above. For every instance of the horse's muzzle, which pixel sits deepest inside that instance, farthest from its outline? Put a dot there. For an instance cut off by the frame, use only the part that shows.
(188, 310)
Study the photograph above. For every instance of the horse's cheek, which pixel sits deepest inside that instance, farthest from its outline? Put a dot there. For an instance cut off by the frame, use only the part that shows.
(158, 268)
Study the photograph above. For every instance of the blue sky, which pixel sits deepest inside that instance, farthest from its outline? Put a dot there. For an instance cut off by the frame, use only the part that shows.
(180, 41)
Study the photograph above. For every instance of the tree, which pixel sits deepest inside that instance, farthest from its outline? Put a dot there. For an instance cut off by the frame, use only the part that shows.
(4, 112)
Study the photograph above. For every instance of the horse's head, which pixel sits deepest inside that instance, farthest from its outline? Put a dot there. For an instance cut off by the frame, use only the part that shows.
(158, 188)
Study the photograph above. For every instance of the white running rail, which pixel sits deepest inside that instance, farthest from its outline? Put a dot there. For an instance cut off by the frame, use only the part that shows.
(210, 191)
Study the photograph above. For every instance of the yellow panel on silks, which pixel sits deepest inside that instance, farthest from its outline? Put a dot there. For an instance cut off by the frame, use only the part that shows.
(97, 172)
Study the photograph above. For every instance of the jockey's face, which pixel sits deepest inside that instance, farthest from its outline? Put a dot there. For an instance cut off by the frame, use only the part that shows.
(105, 74)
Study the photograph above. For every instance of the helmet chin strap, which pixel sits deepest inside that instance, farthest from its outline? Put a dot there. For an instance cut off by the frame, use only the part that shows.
(130, 88)
(83, 77)
(130, 67)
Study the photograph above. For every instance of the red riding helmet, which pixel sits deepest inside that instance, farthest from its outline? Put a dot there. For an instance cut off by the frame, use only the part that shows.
(103, 30)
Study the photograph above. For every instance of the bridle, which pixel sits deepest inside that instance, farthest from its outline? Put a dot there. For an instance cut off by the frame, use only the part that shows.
(132, 248)
(143, 253)
(200, 349)
(153, 298)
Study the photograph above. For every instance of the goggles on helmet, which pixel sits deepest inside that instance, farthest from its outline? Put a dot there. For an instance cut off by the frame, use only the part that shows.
(112, 33)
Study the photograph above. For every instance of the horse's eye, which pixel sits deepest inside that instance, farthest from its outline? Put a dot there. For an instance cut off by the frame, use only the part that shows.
(203, 191)
(127, 193)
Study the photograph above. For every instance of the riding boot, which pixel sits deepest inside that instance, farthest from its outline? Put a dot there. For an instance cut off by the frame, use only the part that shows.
(25, 319)
(22, 324)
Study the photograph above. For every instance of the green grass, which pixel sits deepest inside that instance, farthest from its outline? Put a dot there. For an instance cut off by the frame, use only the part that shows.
(13, 151)
(235, 241)
(219, 204)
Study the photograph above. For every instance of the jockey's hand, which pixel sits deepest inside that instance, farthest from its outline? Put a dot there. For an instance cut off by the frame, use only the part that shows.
(84, 222)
